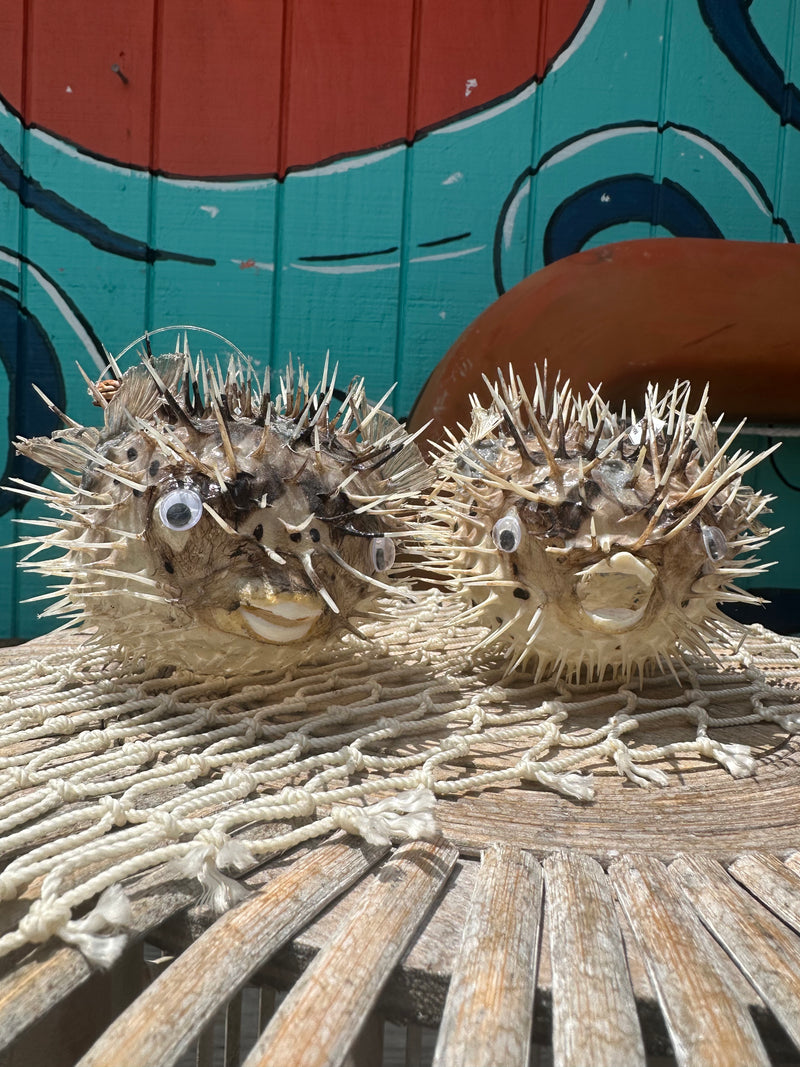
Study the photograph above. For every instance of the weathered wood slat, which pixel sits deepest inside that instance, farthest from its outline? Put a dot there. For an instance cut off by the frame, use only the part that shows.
(418, 987)
(766, 950)
(340, 987)
(708, 1024)
(594, 1010)
(175, 1008)
(52, 972)
(489, 1008)
(55, 970)
(772, 882)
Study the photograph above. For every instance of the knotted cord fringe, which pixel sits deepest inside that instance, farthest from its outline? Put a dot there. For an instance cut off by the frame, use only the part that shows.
(109, 770)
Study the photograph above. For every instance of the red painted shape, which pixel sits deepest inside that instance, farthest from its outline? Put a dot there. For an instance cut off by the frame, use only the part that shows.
(219, 80)
(723, 312)
(12, 44)
(348, 77)
(469, 49)
(228, 100)
(72, 87)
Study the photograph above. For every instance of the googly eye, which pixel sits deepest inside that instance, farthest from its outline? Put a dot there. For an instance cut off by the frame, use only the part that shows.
(507, 532)
(180, 509)
(714, 542)
(382, 553)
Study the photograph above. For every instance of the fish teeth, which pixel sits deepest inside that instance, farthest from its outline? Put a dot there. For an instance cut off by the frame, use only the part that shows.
(287, 609)
(264, 624)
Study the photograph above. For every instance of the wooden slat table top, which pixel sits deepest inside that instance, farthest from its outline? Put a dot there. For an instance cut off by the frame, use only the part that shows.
(641, 888)
(706, 1019)
(594, 1008)
(339, 988)
(173, 1011)
(488, 1014)
(766, 950)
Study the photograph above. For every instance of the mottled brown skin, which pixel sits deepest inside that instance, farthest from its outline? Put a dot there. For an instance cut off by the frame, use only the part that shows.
(621, 535)
(278, 562)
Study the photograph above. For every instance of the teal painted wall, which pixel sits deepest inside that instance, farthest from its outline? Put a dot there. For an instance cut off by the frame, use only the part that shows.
(375, 200)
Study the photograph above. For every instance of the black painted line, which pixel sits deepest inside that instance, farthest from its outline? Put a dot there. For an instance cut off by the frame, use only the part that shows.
(444, 240)
(58, 210)
(347, 255)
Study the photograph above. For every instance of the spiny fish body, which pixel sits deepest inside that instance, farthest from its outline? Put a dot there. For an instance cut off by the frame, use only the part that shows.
(210, 525)
(592, 543)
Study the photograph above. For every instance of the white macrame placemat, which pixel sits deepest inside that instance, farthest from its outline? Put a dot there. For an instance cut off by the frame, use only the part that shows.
(108, 771)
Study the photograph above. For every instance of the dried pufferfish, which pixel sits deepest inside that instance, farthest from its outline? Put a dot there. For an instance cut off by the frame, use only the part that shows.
(590, 543)
(213, 526)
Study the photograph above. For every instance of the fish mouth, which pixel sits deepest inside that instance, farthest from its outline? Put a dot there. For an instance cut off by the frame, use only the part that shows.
(615, 593)
(281, 622)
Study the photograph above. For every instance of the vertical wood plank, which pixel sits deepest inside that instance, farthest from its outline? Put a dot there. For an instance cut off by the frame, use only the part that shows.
(171, 1011)
(367, 1050)
(475, 51)
(266, 1006)
(204, 1053)
(225, 126)
(592, 89)
(767, 951)
(85, 232)
(14, 31)
(708, 1024)
(594, 1010)
(720, 181)
(341, 985)
(218, 92)
(787, 189)
(233, 1032)
(336, 104)
(75, 93)
(341, 223)
(488, 1013)
(102, 227)
(413, 1050)
(457, 180)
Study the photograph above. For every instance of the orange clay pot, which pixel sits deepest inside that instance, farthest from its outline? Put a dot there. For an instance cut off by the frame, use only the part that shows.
(726, 312)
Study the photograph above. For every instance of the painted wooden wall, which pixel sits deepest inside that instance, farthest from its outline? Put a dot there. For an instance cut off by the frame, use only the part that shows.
(362, 176)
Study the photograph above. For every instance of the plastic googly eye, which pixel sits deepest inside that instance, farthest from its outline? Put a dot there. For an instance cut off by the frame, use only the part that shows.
(180, 509)
(714, 542)
(507, 532)
(382, 553)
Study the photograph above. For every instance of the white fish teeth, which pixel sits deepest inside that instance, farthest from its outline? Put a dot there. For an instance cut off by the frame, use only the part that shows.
(287, 609)
(263, 625)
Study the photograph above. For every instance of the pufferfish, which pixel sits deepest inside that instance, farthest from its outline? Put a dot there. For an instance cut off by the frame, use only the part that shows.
(593, 544)
(211, 525)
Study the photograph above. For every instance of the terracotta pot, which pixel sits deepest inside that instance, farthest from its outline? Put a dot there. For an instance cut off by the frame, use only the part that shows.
(726, 312)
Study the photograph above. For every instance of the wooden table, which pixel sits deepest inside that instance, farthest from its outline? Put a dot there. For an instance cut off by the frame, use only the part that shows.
(653, 922)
